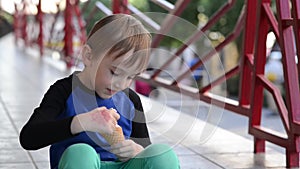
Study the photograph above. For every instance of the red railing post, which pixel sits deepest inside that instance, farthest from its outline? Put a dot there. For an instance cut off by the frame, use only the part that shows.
(288, 31)
(80, 22)
(20, 23)
(40, 21)
(262, 30)
(249, 46)
(68, 39)
(120, 6)
(16, 23)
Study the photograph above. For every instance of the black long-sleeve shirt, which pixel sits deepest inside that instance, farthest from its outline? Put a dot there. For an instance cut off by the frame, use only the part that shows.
(46, 128)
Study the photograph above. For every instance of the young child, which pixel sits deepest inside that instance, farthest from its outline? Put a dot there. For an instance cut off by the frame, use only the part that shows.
(78, 110)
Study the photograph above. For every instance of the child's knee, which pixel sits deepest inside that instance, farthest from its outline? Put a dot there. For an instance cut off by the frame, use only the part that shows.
(79, 156)
(161, 156)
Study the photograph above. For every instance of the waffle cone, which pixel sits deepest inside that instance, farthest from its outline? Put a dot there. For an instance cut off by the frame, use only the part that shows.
(116, 137)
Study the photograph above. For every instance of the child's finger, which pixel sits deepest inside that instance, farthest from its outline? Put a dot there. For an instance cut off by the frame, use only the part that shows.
(120, 150)
(102, 108)
(114, 113)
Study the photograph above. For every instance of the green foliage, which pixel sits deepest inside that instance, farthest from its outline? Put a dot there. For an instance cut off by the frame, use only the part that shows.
(189, 14)
(232, 85)
(141, 5)
(227, 23)
(207, 7)
(7, 16)
(6, 21)
(98, 15)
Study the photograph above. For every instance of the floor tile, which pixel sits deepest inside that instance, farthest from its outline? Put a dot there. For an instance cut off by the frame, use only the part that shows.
(14, 156)
(182, 151)
(41, 155)
(17, 166)
(196, 162)
(7, 130)
(42, 165)
(9, 143)
(248, 160)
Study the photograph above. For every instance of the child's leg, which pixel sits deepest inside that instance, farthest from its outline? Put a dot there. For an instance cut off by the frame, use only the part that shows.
(79, 156)
(155, 156)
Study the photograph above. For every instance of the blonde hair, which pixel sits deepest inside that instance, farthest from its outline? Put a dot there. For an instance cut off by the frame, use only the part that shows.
(117, 34)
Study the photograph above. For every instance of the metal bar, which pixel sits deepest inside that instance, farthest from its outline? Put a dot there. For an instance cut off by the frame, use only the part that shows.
(68, 47)
(296, 127)
(116, 6)
(124, 5)
(287, 44)
(296, 16)
(103, 8)
(269, 135)
(54, 23)
(169, 21)
(120, 6)
(40, 20)
(287, 22)
(249, 41)
(80, 21)
(228, 104)
(164, 4)
(237, 30)
(278, 100)
(272, 19)
(221, 79)
(249, 62)
(144, 17)
(24, 24)
(291, 79)
(259, 66)
(196, 35)
(16, 23)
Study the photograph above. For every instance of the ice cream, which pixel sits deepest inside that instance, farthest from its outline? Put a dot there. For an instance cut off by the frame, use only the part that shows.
(116, 137)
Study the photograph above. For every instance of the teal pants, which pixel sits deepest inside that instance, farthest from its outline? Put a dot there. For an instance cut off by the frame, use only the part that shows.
(83, 156)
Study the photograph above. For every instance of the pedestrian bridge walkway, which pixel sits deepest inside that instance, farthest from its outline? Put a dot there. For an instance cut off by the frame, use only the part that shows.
(25, 77)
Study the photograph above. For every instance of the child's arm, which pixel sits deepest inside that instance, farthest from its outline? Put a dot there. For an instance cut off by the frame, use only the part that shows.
(42, 129)
(139, 132)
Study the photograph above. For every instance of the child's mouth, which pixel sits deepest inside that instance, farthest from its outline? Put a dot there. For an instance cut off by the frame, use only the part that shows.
(111, 92)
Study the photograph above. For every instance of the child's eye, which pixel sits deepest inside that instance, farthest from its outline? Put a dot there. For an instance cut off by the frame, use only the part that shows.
(131, 77)
(113, 73)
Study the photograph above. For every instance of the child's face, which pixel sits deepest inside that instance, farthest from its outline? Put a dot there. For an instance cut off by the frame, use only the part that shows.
(112, 76)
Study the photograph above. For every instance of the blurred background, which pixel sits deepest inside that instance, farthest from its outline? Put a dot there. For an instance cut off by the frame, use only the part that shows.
(23, 17)
(197, 57)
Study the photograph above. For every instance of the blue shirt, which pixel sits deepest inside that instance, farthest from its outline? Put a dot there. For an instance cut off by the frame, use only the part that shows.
(82, 100)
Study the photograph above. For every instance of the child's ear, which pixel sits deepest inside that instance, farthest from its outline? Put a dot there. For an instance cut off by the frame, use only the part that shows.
(86, 55)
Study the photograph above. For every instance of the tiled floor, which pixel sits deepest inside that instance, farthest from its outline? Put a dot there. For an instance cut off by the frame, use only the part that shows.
(25, 77)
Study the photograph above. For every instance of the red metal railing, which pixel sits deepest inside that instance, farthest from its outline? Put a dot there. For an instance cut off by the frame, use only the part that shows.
(20, 23)
(71, 11)
(257, 20)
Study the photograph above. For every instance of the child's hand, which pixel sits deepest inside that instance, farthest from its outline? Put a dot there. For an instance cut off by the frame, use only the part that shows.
(126, 149)
(100, 120)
